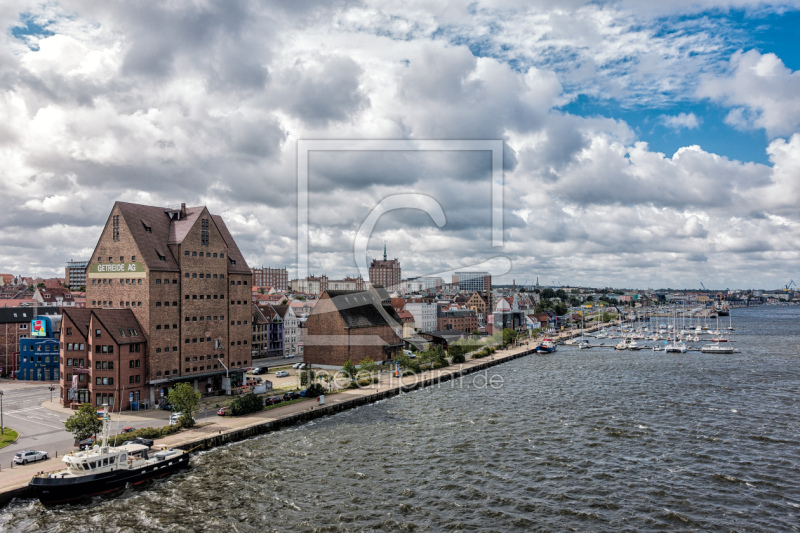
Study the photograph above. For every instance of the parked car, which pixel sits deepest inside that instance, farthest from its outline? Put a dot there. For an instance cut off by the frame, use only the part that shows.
(304, 393)
(272, 400)
(86, 444)
(222, 411)
(288, 356)
(127, 429)
(302, 366)
(291, 396)
(29, 456)
(281, 374)
(296, 365)
(139, 440)
(175, 417)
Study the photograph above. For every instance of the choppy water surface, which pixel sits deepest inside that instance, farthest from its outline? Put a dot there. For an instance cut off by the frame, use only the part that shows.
(581, 440)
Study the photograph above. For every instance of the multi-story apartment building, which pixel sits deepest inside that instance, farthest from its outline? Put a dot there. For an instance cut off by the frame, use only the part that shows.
(458, 319)
(267, 331)
(103, 358)
(181, 274)
(424, 313)
(271, 277)
(75, 274)
(473, 281)
(385, 273)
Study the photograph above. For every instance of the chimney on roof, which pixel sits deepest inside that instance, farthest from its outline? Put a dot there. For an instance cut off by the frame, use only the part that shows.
(183, 210)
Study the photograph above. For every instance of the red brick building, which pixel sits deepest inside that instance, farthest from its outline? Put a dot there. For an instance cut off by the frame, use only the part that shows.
(385, 273)
(181, 274)
(457, 319)
(103, 358)
(352, 325)
(271, 277)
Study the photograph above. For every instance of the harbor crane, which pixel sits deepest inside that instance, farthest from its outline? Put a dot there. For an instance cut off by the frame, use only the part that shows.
(788, 286)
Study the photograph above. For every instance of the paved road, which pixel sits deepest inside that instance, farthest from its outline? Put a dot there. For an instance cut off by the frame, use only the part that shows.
(39, 428)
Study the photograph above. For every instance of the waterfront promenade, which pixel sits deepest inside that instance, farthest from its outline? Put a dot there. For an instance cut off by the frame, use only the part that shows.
(222, 430)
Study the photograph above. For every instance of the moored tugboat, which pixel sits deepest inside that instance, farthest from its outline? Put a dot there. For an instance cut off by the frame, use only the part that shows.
(104, 469)
(546, 346)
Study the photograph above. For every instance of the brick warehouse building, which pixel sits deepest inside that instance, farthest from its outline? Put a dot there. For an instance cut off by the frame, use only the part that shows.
(352, 325)
(181, 274)
(103, 356)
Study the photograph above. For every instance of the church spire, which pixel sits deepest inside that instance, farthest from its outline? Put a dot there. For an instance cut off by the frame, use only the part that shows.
(384, 250)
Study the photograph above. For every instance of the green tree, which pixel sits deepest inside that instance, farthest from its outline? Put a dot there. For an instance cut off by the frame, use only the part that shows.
(301, 298)
(408, 363)
(548, 293)
(509, 335)
(367, 366)
(350, 370)
(561, 294)
(307, 377)
(84, 423)
(185, 400)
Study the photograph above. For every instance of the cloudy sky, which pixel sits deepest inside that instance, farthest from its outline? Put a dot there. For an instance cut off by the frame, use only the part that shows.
(647, 143)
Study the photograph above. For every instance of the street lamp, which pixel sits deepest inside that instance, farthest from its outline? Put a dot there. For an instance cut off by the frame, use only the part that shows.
(2, 427)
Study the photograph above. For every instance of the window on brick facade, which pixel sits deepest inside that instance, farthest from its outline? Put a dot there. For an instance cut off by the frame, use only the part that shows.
(186, 253)
(158, 326)
(115, 229)
(97, 333)
(158, 304)
(174, 371)
(158, 282)
(194, 254)
(186, 275)
(174, 304)
(158, 350)
(194, 274)
(204, 232)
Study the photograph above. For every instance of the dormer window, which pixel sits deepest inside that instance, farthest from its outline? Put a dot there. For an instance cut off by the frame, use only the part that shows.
(132, 331)
(147, 229)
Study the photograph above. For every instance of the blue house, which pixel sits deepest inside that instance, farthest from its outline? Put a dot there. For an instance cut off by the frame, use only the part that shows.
(38, 354)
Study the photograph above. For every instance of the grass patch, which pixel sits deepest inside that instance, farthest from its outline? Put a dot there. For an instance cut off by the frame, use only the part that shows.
(9, 437)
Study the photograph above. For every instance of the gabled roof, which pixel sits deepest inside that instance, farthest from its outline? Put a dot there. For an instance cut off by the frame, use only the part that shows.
(281, 310)
(180, 227)
(362, 309)
(236, 262)
(155, 228)
(121, 324)
(152, 244)
(79, 317)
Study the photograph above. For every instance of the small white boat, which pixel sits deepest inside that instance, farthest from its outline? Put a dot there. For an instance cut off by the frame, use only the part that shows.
(716, 348)
(675, 347)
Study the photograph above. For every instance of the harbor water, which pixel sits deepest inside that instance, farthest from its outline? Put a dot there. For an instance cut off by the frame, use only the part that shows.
(580, 440)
